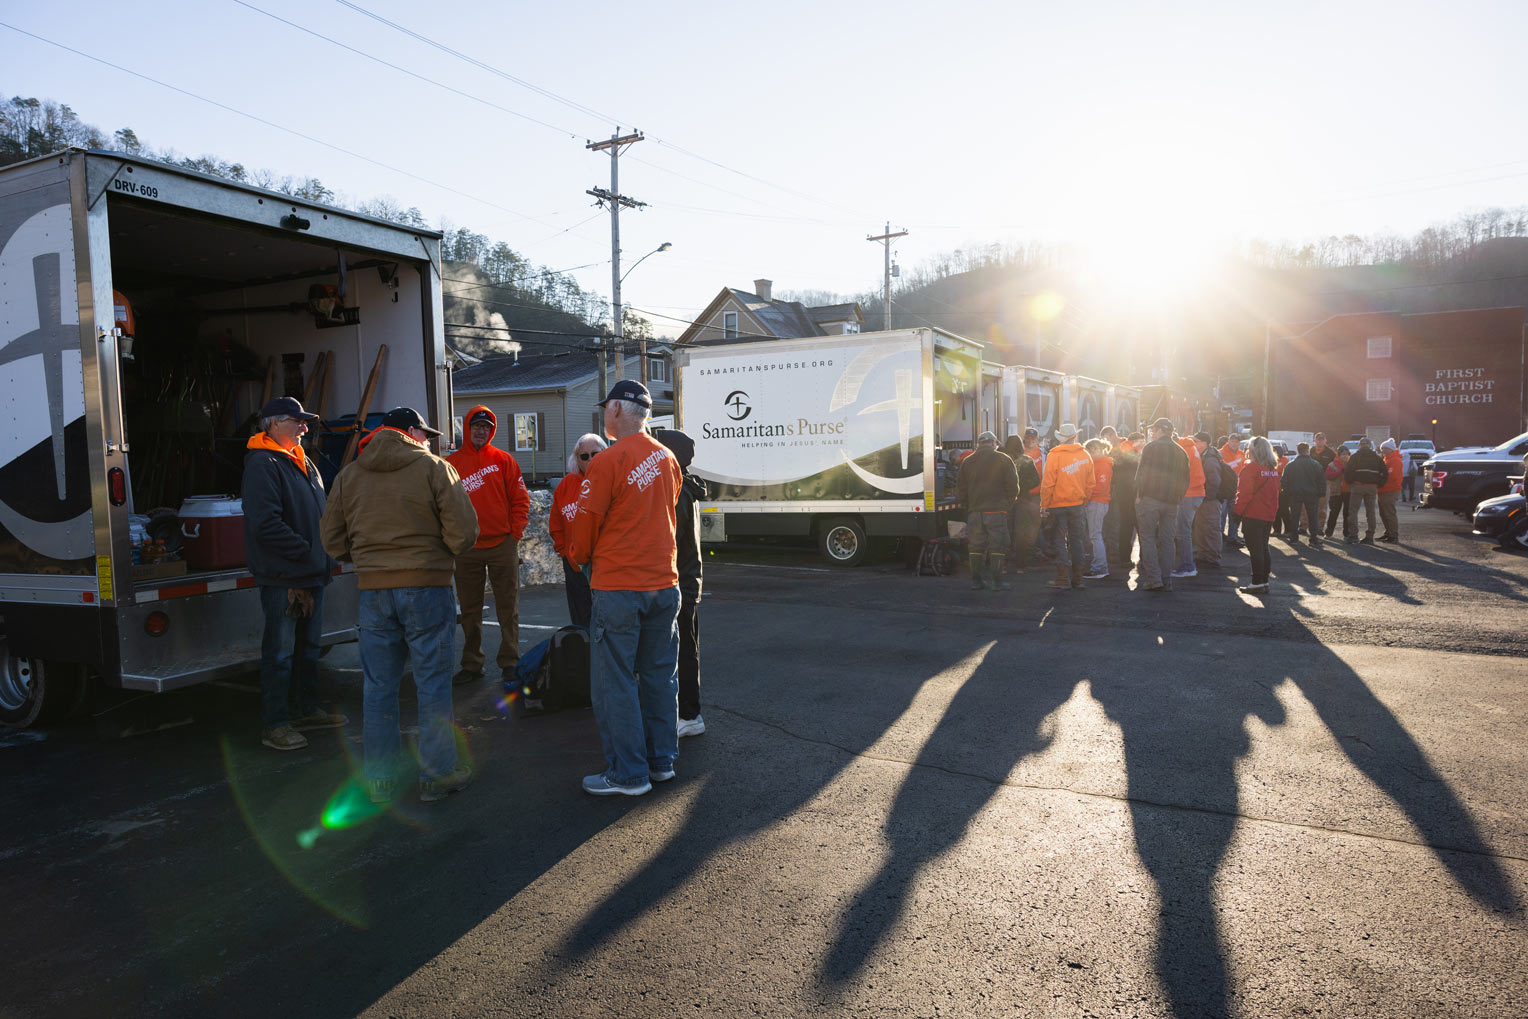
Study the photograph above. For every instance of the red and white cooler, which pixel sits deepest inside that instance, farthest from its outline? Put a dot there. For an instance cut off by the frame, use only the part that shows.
(212, 532)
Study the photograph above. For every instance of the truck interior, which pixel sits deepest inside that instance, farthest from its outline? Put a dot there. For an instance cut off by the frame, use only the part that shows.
(224, 316)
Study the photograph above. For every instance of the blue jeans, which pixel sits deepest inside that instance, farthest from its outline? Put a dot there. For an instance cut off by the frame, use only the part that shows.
(288, 658)
(1071, 524)
(396, 624)
(1185, 530)
(634, 681)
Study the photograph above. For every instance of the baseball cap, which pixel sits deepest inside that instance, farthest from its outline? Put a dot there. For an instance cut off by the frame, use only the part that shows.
(988, 437)
(1201, 436)
(404, 418)
(629, 389)
(483, 414)
(286, 406)
(1165, 424)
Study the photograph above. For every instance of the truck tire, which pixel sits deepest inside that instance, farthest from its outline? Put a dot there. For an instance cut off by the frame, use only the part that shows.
(842, 541)
(34, 692)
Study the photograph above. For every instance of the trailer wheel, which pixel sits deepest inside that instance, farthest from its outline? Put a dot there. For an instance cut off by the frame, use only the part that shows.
(843, 542)
(34, 692)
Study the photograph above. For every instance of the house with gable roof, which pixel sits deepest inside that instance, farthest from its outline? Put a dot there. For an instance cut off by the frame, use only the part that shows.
(736, 316)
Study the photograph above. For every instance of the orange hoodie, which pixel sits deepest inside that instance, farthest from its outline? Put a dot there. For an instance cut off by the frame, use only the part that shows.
(1195, 470)
(1068, 478)
(1397, 465)
(493, 481)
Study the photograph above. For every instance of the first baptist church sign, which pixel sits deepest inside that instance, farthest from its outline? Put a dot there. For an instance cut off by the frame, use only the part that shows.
(1459, 385)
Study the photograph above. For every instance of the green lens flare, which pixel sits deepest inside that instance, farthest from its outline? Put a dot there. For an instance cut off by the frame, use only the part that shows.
(349, 806)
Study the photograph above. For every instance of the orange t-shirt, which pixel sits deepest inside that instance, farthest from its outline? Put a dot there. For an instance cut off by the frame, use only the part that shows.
(1103, 477)
(625, 520)
(564, 508)
(1195, 470)
(1033, 452)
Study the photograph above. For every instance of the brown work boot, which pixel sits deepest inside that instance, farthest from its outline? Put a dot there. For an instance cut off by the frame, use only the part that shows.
(1077, 583)
(1062, 580)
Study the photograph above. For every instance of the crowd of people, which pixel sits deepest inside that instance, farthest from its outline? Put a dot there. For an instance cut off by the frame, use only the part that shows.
(1081, 506)
(426, 533)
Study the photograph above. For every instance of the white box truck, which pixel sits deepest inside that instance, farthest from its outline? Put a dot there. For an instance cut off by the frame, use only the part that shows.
(145, 313)
(837, 438)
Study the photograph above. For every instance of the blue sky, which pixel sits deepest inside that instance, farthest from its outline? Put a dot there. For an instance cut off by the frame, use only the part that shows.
(780, 135)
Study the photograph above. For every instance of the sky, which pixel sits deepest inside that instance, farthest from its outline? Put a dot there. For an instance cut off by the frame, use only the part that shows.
(778, 137)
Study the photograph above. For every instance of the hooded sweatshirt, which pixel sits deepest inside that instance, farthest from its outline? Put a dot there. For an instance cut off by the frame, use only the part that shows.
(400, 514)
(1394, 463)
(492, 478)
(1195, 469)
(1068, 477)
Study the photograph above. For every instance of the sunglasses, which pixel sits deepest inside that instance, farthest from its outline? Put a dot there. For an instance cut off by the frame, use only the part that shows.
(587, 456)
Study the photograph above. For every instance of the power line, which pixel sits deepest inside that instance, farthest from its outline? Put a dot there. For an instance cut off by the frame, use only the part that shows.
(580, 107)
(273, 124)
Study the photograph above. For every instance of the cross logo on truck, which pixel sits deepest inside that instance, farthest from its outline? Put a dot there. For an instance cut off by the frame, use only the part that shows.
(737, 405)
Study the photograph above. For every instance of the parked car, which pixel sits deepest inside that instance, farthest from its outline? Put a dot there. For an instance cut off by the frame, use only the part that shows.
(1505, 517)
(1461, 478)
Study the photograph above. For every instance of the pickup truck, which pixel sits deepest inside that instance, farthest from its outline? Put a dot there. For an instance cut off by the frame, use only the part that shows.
(1461, 478)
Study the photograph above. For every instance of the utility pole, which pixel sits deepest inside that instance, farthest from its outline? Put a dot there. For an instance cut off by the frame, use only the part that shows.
(886, 239)
(616, 201)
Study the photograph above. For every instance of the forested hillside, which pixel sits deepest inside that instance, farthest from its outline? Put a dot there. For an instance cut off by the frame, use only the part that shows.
(496, 300)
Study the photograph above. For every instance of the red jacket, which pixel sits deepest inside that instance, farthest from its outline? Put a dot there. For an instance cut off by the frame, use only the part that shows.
(493, 481)
(1257, 491)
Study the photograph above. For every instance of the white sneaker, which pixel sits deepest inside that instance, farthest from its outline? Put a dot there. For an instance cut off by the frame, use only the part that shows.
(1185, 573)
(692, 726)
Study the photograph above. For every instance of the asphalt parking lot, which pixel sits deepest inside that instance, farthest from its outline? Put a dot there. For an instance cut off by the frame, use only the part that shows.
(912, 799)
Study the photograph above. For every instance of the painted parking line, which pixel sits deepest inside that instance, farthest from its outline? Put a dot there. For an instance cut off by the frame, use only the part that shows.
(767, 566)
(523, 626)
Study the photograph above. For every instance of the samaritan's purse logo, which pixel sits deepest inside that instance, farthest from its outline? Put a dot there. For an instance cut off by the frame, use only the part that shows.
(737, 405)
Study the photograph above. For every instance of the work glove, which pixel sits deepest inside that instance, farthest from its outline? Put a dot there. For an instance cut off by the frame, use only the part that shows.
(299, 603)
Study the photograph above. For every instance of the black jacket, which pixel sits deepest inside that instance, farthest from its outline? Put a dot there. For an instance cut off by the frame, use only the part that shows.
(1163, 474)
(687, 536)
(1212, 463)
(1127, 462)
(988, 482)
(282, 509)
(1366, 467)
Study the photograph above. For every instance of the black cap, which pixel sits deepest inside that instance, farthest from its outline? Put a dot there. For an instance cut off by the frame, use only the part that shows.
(286, 406)
(680, 444)
(1163, 424)
(629, 389)
(1201, 436)
(404, 418)
(480, 414)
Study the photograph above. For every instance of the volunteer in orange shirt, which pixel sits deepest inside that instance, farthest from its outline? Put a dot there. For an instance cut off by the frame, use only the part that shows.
(624, 527)
(1189, 508)
(491, 478)
(1065, 488)
(1098, 506)
(1390, 491)
(564, 507)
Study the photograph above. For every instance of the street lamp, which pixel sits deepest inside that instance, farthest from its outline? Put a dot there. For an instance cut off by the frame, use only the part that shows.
(1435, 433)
(641, 341)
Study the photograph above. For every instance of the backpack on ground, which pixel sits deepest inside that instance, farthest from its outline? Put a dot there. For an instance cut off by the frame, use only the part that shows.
(554, 674)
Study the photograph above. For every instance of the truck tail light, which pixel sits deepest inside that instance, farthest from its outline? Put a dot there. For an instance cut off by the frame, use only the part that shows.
(156, 624)
(1437, 478)
(116, 483)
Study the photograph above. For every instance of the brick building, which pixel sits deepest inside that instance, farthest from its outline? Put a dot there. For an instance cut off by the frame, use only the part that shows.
(1387, 374)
